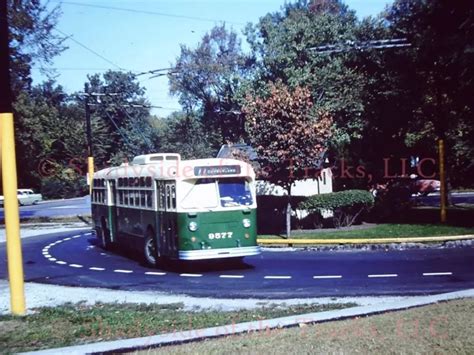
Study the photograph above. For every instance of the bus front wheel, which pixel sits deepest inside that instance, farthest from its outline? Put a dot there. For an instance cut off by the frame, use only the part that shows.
(149, 249)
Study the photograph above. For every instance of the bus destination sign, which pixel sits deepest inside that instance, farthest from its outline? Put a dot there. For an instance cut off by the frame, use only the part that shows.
(217, 170)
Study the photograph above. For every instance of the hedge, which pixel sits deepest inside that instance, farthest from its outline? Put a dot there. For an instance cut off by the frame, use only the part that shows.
(346, 205)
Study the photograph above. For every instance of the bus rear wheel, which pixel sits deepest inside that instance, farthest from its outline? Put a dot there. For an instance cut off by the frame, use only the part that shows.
(149, 249)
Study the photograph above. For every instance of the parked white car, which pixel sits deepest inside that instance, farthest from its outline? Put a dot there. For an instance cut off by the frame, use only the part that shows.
(26, 197)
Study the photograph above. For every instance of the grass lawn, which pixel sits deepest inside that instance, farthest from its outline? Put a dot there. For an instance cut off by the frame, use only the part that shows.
(444, 328)
(382, 231)
(79, 324)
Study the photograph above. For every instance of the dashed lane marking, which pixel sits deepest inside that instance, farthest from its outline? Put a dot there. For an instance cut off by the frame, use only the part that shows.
(317, 277)
(123, 271)
(277, 277)
(382, 275)
(437, 273)
(47, 255)
(231, 276)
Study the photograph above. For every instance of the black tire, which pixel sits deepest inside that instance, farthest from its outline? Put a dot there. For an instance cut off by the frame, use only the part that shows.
(150, 252)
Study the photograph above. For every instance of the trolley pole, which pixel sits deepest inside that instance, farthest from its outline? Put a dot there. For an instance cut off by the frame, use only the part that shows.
(7, 146)
(90, 157)
(442, 179)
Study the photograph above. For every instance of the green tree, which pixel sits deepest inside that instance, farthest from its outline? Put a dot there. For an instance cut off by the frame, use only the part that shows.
(284, 45)
(207, 78)
(288, 134)
(185, 134)
(442, 34)
(118, 101)
(32, 39)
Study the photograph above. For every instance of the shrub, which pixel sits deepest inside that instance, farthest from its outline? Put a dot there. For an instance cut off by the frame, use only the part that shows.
(346, 205)
(54, 187)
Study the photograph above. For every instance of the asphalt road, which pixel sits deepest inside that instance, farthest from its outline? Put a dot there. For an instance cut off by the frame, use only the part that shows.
(55, 208)
(74, 259)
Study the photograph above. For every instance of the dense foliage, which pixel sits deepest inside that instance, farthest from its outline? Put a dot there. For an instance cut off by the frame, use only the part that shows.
(346, 205)
(361, 107)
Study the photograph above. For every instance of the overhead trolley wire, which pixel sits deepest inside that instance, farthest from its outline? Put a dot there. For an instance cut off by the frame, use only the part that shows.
(147, 12)
(70, 37)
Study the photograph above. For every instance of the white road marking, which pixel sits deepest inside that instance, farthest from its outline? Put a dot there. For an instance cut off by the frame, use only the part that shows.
(67, 239)
(66, 207)
(190, 275)
(76, 265)
(76, 236)
(97, 268)
(123, 271)
(61, 262)
(154, 273)
(327, 277)
(275, 277)
(52, 259)
(231, 276)
(382, 275)
(437, 273)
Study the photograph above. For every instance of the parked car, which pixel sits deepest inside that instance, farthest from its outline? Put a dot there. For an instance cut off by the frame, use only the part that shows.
(26, 197)
(425, 186)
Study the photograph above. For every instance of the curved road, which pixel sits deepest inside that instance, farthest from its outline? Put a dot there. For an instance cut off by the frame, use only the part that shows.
(55, 208)
(74, 259)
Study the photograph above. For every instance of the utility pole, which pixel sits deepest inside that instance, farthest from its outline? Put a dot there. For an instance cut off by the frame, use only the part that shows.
(90, 157)
(7, 148)
(442, 180)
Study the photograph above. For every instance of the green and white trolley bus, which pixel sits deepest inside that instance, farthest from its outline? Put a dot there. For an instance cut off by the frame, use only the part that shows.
(166, 207)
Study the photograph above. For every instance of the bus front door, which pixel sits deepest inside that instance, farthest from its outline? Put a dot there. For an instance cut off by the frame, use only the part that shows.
(167, 218)
(112, 210)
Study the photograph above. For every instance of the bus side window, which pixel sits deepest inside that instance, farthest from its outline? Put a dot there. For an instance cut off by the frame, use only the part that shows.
(120, 197)
(142, 198)
(168, 197)
(149, 199)
(173, 196)
(137, 198)
(162, 196)
(125, 197)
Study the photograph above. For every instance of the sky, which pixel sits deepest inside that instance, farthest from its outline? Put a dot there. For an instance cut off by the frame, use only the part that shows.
(142, 35)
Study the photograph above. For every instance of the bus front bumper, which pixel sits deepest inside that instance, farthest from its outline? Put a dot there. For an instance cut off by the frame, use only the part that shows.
(219, 253)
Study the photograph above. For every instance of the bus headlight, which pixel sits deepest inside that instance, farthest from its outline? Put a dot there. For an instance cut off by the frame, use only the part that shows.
(246, 222)
(193, 226)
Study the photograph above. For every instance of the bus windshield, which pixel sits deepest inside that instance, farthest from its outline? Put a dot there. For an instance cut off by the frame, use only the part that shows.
(234, 192)
(209, 193)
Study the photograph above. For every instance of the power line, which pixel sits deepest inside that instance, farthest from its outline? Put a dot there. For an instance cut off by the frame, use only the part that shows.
(88, 49)
(150, 13)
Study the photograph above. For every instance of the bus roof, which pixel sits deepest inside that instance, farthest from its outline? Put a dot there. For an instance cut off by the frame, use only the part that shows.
(181, 169)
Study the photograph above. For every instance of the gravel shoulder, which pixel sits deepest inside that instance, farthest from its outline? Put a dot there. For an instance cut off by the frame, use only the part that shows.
(43, 295)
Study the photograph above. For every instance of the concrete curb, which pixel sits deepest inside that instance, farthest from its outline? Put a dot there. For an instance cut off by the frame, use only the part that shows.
(364, 241)
(178, 337)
